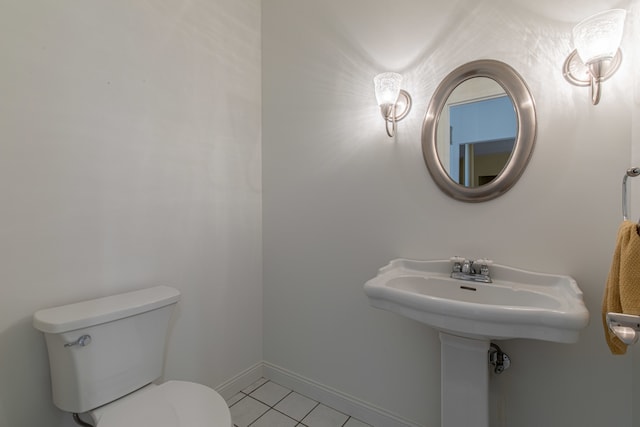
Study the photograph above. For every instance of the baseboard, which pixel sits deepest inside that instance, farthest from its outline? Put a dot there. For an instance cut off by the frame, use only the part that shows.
(241, 381)
(336, 399)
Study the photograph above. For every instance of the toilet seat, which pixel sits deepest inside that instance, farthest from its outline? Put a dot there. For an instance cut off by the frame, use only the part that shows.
(171, 404)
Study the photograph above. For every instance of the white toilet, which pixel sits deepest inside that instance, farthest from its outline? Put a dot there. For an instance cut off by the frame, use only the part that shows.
(104, 355)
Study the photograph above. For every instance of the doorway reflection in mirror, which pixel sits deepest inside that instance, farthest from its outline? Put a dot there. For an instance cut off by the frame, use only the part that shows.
(476, 132)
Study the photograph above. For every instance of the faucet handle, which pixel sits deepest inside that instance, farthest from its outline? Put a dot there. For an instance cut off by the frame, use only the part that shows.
(457, 263)
(484, 265)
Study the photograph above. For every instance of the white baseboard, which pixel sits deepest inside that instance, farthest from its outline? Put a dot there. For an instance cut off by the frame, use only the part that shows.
(336, 399)
(241, 381)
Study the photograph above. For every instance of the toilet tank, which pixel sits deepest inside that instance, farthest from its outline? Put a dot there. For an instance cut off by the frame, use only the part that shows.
(125, 350)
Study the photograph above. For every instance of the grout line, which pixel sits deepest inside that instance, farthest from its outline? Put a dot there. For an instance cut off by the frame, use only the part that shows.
(259, 387)
(265, 403)
(262, 415)
(238, 401)
(287, 415)
(312, 409)
(273, 407)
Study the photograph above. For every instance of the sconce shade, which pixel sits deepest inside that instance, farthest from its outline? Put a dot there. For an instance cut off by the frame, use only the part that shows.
(598, 37)
(387, 87)
(394, 102)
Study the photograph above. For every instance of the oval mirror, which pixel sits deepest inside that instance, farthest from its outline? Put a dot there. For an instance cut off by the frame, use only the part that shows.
(479, 131)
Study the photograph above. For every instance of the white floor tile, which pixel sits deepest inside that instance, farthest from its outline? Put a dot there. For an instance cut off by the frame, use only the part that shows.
(270, 393)
(247, 411)
(355, 423)
(235, 399)
(255, 385)
(254, 410)
(296, 406)
(274, 419)
(323, 416)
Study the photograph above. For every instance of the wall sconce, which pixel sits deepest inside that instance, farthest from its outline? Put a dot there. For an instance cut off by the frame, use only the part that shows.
(394, 102)
(597, 54)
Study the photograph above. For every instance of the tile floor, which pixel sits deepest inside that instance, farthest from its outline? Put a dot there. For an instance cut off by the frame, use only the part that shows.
(267, 404)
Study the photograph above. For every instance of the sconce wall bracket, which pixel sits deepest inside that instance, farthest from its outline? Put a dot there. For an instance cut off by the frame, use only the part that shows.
(579, 74)
(393, 113)
(402, 108)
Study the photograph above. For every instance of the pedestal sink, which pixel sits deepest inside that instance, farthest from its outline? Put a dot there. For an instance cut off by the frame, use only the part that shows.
(517, 304)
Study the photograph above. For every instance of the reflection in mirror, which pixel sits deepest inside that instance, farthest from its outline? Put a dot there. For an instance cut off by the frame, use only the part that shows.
(479, 131)
(476, 132)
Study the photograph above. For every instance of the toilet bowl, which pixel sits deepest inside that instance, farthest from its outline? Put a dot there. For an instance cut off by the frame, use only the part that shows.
(170, 404)
(105, 356)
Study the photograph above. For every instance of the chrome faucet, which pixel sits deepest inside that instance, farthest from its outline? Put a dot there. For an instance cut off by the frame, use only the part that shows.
(470, 270)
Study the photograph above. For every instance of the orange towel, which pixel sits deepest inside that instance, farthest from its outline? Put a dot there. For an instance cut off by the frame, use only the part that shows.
(622, 294)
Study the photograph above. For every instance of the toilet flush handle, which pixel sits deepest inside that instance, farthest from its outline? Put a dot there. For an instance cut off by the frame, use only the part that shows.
(83, 341)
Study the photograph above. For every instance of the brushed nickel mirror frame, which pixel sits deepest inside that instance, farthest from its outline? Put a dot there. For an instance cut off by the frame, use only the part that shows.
(516, 88)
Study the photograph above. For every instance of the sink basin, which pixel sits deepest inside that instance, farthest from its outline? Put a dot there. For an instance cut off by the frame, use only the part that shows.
(518, 304)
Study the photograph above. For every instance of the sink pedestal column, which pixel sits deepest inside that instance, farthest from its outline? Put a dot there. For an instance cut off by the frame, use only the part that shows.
(464, 381)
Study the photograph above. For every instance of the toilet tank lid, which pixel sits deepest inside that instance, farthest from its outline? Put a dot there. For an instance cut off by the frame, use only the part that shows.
(101, 310)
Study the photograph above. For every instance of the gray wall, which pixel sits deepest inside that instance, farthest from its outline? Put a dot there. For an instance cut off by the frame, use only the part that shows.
(341, 200)
(129, 157)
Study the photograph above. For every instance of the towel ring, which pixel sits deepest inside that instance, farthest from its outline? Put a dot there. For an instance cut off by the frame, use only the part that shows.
(631, 172)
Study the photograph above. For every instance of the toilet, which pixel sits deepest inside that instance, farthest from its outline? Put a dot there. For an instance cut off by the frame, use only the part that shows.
(105, 355)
